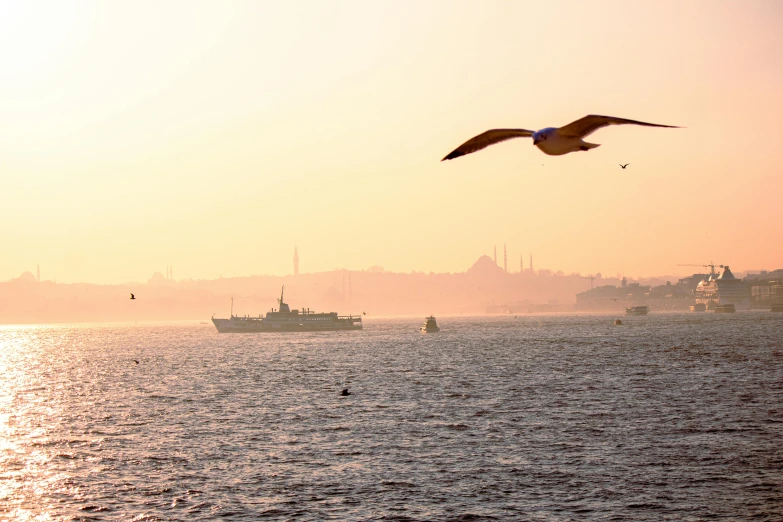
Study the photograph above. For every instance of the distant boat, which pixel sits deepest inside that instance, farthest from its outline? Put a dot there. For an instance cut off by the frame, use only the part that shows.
(698, 307)
(430, 326)
(777, 307)
(721, 288)
(286, 320)
(637, 310)
(725, 309)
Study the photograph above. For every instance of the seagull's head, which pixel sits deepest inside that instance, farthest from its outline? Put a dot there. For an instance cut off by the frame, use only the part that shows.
(541, 135)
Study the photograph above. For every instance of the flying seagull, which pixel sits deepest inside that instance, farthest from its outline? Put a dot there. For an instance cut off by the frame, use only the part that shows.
(623, 166)
(554, 141)
(133, 296)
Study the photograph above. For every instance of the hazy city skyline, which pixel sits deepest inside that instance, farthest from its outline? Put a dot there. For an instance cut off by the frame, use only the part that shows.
(375, 291)
(228, 134)
(482, 288)
(687, 269)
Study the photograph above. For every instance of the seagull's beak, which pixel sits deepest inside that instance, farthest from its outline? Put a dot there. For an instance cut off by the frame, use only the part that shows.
(536, 141)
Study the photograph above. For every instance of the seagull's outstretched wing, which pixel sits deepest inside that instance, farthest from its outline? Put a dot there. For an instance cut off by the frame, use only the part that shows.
(589, 124)
(486, 139)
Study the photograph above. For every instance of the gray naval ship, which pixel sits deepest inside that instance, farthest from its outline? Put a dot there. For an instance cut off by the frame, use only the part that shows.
(286, 320)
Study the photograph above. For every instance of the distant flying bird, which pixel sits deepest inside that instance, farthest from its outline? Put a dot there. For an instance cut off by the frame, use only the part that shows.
(623, 166)
(134, 360)
(554, 141)
(364, 313)
(133, 296)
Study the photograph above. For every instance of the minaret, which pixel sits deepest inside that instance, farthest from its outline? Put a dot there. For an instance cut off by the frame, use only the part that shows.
(38, 272)
(171, 272)
(350, 290)
(521, 264)
(495, 255)
(531, 262)
(296, 262)
(505, 259)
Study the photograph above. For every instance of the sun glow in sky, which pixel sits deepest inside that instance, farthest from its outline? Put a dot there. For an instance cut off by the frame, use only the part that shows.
(216, 136)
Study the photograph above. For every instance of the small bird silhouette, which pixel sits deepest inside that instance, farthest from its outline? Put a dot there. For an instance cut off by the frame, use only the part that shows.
(623, 166)
(133, 296)
(134, 360)
(345, 392)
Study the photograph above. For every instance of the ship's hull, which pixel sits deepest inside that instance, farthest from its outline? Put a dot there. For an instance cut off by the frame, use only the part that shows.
(241, 325)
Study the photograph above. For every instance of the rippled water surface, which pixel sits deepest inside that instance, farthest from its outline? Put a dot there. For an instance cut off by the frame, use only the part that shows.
(669, 416)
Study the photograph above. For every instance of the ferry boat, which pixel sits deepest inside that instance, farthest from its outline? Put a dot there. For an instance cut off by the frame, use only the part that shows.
(430, 325)
(698, 307)
(725, 309)
(286, 320)
(637, 310)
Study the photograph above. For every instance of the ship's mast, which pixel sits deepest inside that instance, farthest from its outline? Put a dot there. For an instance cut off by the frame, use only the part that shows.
(283, 307)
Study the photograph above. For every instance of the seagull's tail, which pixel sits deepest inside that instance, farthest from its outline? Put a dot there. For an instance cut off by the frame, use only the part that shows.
(588, 146)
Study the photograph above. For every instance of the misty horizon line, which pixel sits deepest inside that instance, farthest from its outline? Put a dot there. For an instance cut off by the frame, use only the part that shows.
(376, 269)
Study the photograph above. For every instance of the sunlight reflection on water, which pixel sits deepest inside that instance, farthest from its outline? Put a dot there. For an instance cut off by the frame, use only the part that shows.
(535, 417)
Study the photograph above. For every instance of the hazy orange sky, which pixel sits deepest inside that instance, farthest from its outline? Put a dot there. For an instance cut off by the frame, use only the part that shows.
(215, 136)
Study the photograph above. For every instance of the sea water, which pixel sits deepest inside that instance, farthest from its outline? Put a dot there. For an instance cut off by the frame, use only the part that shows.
(560, 417)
